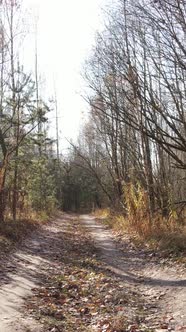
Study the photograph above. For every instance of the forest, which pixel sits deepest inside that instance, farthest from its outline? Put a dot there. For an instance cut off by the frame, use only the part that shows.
(30, 166)
(93, 239)
(130, 155)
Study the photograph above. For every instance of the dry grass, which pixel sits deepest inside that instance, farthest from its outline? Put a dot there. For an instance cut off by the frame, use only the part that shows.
(12, 232)
(159, 234)
(166, 233)
(102, 213)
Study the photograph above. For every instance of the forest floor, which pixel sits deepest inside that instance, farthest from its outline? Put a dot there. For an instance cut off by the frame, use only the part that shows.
(74, 275)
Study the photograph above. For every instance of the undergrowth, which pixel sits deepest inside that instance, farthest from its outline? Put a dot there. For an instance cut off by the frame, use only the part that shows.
(157, 231)
(12, 232)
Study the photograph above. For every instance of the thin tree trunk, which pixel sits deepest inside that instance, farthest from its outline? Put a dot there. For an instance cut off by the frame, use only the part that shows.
(2, 188)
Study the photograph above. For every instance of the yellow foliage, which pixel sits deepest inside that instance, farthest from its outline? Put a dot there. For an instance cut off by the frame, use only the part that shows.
(102, 213)
(137, 206)
(165, 232)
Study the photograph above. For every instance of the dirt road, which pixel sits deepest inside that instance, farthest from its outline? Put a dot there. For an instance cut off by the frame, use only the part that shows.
(163, 288)
(164, 285)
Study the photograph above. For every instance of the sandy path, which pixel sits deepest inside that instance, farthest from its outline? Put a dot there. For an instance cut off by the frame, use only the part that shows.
(22, 272)
(165, 286)
(13, 293)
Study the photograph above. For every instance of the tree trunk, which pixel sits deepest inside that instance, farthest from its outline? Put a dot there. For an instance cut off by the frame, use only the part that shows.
(2, 187)
(15, 195)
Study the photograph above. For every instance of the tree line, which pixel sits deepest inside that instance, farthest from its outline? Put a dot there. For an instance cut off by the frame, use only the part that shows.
(131, 153)
(29, 164)
(133, 146)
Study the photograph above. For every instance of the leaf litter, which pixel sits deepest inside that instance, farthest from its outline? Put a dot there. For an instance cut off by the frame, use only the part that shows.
(79, 293)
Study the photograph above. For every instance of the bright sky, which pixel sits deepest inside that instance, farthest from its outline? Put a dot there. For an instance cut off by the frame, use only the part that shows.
(66, 30)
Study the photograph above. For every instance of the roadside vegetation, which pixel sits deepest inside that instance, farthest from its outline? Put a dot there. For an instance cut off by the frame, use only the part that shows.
(131, 153)
(128, 166)
(130, 156)
(29, 161)
(163, 236)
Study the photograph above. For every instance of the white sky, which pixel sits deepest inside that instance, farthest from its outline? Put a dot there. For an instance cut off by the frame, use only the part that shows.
(66, 30)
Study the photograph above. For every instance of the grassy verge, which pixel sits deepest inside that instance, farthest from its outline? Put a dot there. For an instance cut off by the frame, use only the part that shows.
(161, 234)
(12, 232)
